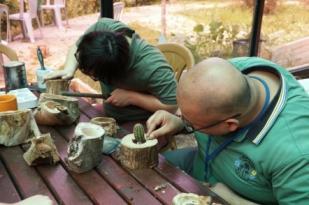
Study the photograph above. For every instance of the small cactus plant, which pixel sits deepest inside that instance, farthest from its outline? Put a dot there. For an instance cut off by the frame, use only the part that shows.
(139, 133)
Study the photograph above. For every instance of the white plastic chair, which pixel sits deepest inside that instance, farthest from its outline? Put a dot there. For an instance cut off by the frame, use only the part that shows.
(26, 18)
(4, 9)
(118, 10)
(56, 6)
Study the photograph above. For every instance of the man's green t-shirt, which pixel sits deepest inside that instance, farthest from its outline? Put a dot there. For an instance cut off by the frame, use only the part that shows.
(148, 73)
(269, 163)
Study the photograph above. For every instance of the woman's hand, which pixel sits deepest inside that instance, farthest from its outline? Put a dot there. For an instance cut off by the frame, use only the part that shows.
(64, 74)
(120, 97)
(162, 124)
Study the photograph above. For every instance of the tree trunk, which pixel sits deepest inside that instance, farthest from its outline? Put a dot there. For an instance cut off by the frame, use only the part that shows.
(56, 110)
(85, 148)
(15, 127)
(57, 86)
(138, 156)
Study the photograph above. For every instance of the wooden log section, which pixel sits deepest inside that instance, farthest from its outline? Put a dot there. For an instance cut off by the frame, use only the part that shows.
(15, 127)
(108, 124)
(189, 198)
(85, 148)
(57, 86)
(138, 156)
(56, 110)
(42, 151)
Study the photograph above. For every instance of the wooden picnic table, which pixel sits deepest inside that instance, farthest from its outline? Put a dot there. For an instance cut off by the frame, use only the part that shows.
(109, 183)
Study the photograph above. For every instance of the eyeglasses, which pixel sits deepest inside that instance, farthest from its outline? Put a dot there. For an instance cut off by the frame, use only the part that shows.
(190, 129)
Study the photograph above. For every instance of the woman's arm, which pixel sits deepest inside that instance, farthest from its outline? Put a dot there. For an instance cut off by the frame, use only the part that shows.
(70, 66)
(121, 98)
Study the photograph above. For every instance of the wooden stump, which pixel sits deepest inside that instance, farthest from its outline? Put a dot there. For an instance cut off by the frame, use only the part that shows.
(189, 198)
(15, 127)
(57, 86)
(41, 151)
(108, 124)
(138, 156)
(56, 110)
(85, 148)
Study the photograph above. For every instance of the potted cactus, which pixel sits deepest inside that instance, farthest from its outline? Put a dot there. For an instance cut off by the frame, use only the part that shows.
(139, 134)
(136, 152)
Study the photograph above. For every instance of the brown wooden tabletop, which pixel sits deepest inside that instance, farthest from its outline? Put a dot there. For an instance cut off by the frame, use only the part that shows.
(109, 183)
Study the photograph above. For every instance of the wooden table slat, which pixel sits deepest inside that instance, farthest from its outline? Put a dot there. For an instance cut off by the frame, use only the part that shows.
(26, 178)
(8, 193)
(151, 180)
(183, 181)
(124, 183)
(89, 110)
(90, 182)
(62, 184)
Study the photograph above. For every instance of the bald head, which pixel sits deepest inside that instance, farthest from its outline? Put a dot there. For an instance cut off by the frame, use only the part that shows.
(214, 85)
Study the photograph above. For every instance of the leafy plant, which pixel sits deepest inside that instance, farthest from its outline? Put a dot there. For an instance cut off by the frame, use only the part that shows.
(215, 39)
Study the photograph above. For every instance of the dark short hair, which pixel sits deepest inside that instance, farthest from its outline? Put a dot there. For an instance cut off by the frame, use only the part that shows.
(104, 55)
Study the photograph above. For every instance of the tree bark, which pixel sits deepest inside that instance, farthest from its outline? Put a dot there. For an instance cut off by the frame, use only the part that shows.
(85, 148)
(56, 110)
(138, 156)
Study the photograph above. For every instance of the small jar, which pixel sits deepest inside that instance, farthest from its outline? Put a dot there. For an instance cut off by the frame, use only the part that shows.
(40, 74)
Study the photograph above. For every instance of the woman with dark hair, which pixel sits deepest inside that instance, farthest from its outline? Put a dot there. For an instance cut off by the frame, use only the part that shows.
(134, 76)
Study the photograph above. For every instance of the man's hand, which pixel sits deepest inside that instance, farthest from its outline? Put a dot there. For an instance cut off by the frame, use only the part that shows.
(163, 123)
(120, 97)
(64, 74)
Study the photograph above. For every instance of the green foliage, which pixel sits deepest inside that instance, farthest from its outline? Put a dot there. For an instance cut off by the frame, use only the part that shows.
(215, 39)
(139, 133)
(287, 23)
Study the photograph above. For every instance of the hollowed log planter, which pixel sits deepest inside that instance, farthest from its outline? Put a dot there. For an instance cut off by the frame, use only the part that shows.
(138, 156)
(108, 124)
(57, 86)
(85, 148)
(56, 110)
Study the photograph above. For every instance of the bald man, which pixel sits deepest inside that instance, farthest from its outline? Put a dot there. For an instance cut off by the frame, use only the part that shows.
(250, 119)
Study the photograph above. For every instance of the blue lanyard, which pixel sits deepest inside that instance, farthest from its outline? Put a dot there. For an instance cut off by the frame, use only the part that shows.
(222, 146)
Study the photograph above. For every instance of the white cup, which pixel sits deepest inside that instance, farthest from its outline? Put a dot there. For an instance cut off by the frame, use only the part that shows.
(40, 74)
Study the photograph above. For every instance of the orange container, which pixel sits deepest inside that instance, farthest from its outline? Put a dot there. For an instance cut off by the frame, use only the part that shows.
(8, 102)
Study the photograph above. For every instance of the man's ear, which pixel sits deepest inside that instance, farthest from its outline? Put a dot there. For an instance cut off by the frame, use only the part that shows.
(232, 124)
